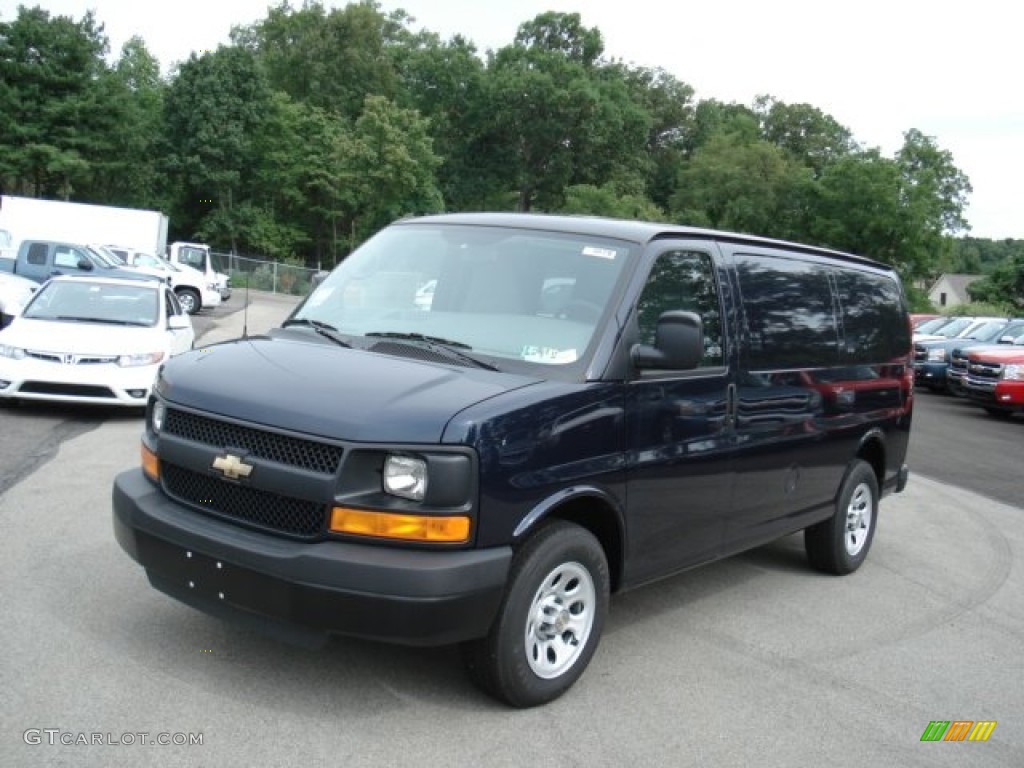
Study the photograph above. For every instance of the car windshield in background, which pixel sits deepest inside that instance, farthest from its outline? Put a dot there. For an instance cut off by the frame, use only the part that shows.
(931, 326)
(507, 293)
(87, 301)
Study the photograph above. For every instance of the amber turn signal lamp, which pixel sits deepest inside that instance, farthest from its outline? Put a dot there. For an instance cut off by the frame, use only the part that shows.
(387, 525)
(150, 464)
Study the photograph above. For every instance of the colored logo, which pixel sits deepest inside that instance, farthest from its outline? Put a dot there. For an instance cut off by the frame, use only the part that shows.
(958, 730)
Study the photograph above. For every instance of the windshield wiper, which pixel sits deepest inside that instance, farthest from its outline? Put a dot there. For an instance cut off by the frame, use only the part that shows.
(435, 344)
(326, 330)
(105, 320)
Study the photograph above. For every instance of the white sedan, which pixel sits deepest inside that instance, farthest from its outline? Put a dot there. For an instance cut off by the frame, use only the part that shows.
(92, 340)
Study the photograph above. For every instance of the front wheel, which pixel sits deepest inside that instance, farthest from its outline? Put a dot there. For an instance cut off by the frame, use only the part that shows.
(840, 544)
(550, 621)
(189, 300)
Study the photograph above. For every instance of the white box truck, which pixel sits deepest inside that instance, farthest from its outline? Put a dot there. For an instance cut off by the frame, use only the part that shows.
(27, 218)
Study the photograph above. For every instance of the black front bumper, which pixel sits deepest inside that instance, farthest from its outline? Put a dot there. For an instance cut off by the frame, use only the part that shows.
(304, 591)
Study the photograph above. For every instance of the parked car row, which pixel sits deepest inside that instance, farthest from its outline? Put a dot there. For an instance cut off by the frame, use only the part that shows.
(39, 260)
(981, 358)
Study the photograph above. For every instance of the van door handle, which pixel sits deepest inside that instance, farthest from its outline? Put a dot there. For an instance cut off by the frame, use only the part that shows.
(730, 406)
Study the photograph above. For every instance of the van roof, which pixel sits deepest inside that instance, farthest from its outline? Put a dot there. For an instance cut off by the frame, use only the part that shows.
(641, 232)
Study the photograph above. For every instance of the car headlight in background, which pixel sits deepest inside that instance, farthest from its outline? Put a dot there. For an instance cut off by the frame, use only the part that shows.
(15, 353)
(1013, 373)
(936, 355)
(141, 358)
(405, 476)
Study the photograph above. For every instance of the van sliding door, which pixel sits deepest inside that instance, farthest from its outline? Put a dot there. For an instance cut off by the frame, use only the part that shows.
(785, 463)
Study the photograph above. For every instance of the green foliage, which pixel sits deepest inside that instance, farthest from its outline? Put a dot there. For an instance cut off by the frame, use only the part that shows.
(743, 186)
(51, 102)
(608, 201)
(1004, 286)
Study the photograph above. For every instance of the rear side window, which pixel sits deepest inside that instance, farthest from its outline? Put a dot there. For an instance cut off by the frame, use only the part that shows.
(37, 253)
(875, 329)
(790, 315)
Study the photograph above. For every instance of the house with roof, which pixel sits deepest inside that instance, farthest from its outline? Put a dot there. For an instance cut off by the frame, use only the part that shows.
(951, 290)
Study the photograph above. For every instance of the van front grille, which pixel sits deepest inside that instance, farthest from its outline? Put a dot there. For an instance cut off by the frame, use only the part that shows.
(272, 446)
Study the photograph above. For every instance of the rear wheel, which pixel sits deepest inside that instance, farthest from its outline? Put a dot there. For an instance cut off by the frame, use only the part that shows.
(189, 300)
(840, 544)
(550, 621)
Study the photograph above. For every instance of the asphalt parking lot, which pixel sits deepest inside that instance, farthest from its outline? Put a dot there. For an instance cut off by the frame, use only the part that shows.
(755, 660)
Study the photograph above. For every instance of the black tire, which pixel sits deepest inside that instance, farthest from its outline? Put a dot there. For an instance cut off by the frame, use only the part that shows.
(998, 413)
(550, 620)
(189, 299)
(840, 544)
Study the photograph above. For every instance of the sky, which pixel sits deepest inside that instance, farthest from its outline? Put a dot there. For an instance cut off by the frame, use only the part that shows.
(879, 67)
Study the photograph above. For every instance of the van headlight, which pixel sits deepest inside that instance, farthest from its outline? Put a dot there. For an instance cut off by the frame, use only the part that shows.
(936, 355)
(15, 353)
(156, 418)
(1013, 373)
(405, 476)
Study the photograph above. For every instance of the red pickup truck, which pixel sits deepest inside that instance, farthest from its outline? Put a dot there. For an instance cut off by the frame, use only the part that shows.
(995, 379)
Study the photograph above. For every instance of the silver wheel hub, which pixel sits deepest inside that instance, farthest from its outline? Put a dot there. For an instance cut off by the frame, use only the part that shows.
(859, 516)
(559, 620)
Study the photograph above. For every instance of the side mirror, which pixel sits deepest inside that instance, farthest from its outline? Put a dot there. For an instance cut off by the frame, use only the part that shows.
(85, 265)
(178, 322)
(678, 343)
(1007, 339)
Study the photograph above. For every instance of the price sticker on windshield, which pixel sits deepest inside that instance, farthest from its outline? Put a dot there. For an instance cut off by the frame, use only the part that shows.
(600, 253)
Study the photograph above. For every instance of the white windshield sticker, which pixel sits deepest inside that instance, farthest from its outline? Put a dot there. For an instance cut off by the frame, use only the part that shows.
(601, 253)
(548, 355)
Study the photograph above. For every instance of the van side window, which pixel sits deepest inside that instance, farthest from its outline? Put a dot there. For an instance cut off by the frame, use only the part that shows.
(874, 328)
(683, 280)
(790, 314)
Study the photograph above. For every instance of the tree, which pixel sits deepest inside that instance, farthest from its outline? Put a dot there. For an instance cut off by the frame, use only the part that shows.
(331, 60)
(389, 166)
(805, 132)
(554, 117)
(742, 186)
(445, 83)
(1004, 286)
(125, 172)
(215, 108)
(609, 201)
(51, 104)
(668, 103)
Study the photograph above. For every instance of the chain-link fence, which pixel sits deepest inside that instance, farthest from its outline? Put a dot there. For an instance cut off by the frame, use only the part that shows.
(263, 275)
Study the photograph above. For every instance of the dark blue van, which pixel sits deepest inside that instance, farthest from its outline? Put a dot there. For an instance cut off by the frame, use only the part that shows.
(479, 426)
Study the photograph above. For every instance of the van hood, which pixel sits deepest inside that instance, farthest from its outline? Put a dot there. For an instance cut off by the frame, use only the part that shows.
(319, 388)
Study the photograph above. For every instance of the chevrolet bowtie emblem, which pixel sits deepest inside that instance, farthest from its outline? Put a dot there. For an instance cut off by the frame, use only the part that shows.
(232, 466)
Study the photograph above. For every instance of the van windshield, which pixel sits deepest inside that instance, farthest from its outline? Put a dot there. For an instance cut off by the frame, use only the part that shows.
(516, 294)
